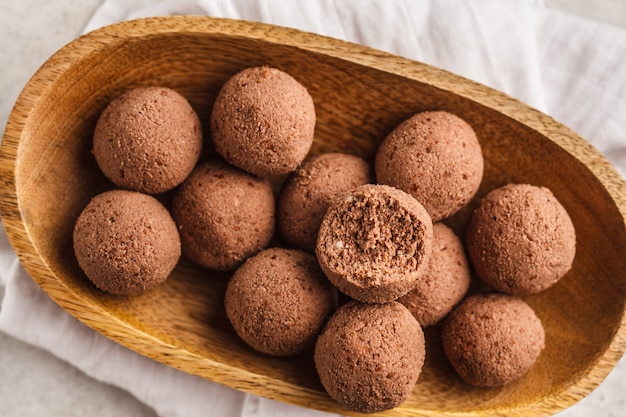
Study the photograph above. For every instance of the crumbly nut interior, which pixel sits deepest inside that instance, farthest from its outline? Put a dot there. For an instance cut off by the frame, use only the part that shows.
(374, 238)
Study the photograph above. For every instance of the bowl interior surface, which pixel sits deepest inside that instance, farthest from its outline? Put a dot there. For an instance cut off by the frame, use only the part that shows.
(360, 96)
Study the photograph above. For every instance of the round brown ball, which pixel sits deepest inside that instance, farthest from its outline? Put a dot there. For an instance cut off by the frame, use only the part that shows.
(520, 239)
(374, 243)
(445, 282)
(126, 242)
(279, 300)
(148, 139)
(224, 215)
(311, 189)
(434, 156)
(263, 121)
(492, 339)
(369, 356)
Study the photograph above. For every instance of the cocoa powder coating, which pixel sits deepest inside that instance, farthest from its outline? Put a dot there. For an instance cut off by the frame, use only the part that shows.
(492, 339)
(520, 239)
(263, 121)
(445, 282)
(126, 242)
(279, 300)
(148, 139)
(310, 190)
(434, 156)
(224, 215)
(374, 243)
(369, 356)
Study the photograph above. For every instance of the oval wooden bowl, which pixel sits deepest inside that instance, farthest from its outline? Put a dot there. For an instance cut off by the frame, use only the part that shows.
(48, 175)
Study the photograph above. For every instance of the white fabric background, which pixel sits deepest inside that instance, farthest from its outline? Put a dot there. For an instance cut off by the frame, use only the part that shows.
(571, 68)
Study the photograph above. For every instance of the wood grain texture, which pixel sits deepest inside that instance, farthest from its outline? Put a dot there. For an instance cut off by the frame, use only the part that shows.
(47, 175)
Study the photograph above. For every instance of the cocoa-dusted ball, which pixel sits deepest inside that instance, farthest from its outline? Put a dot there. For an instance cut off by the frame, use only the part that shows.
(224, 215)
(126, 242)
(434, 156)
(311, 189)
(263, 121)
(374, 243)
(148, 139)
(445, 282)
(279, 300)
(492, 339)
(369, 356)
(520, 239)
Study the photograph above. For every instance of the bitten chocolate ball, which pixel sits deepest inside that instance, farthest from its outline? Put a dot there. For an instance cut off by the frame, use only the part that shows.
(126, 242)
(445, 282)
(224, 215)
(311, 189)
(435, 157)
(148, 139)
(369, 356)
(492, 339)
(374, 243)
(520, 239)
(263, 121)
(279, 300)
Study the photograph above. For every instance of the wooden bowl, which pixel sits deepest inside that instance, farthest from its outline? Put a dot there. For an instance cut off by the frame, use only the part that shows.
(48, 176)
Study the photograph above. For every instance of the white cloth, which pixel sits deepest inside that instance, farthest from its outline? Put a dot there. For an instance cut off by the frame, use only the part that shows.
(571, 68)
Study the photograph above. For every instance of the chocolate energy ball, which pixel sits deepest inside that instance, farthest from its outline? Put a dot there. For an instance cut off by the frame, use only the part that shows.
(148, 139)
(311, 189)
(224, 215)
(126, 242)
(434, 156)
(520, 239)
(445, 282)
(369, 356)
(374, 243)
(279, 300)
(492, 339)
(263, 121)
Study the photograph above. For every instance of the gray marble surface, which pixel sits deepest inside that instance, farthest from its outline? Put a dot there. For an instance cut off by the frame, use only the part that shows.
(35, 383)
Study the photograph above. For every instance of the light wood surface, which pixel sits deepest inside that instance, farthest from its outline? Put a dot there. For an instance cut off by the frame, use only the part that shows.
(47, 175)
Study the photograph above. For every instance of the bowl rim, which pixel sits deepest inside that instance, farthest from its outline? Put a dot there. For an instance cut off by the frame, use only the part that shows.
(109, 36)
